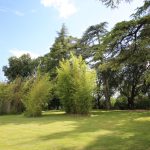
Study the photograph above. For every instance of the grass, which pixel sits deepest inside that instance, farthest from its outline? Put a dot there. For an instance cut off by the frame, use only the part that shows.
(103, 130)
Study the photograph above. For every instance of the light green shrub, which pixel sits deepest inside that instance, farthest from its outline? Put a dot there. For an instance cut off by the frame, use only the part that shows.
(75, 85)
(37, 96)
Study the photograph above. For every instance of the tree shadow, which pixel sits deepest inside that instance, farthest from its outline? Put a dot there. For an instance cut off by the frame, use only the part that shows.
(114, 129)
(124, 133)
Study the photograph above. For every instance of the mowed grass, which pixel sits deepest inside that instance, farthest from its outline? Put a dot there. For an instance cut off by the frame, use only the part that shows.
(102, 130)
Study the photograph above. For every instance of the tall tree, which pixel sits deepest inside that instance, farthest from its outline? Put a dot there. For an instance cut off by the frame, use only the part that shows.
(91, 40)
(128, 48)
(60, 49)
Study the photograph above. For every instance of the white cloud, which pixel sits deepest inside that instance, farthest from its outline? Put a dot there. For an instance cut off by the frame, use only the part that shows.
(18, 13)
(65, 7)
(18, 53)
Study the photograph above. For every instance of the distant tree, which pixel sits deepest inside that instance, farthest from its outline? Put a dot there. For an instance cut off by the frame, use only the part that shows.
(75, 85)
(19, 67)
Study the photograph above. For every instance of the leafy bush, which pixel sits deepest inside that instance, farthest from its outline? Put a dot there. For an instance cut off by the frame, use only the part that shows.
(16, 95)
(121, 103)
(142, 102)
(113, 102)
(37, 95)
(75, 85)
(3, 98)
(11, 97)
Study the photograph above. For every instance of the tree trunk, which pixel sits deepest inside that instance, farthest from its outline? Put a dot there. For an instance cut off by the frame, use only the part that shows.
(130, 102)
(131, 98)
(106, 93)
(98, 102)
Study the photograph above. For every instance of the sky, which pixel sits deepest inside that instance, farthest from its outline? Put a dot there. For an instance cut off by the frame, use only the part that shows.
(30, 26)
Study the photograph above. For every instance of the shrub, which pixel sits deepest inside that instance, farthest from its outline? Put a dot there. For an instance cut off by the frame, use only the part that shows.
(121, 103)
(37, 96)
(142, 102)
(3, 98)
(16, 95)
(75, 85)
(11, 97)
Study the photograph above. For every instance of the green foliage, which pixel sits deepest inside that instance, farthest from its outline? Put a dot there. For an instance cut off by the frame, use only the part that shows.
(3, 98)
(19, 67)
(60, 50)
(113, 3)
(11, 96)
(121, 103)
(16, 95)
(142, 102)
(75, 83)
(37, 95)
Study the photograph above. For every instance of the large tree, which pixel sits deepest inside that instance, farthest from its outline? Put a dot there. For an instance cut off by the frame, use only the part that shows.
(127, 46)
(91, 41)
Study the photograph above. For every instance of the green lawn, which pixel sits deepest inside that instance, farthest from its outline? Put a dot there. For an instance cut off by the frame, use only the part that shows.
(103, 130)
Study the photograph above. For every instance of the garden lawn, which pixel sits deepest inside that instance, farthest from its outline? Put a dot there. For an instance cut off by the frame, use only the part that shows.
(102, 130)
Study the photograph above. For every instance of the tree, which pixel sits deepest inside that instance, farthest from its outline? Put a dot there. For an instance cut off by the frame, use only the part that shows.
(128, 48)
(75, 84)
(91, 40)
(19, 67)
(60, 50)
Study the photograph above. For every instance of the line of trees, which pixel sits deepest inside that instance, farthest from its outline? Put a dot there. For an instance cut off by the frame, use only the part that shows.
(65, 78)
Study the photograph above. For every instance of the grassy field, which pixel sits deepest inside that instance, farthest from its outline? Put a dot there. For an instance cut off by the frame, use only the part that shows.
(103, 130)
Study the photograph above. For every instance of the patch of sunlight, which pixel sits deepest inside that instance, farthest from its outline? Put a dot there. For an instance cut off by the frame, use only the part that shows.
(94, 115)
(90, 137)
(127, 135)
(122, 122)
(142, 119)
(53, 112)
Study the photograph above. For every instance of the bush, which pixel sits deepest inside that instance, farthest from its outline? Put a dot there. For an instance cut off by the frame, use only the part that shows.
(37, 96)
(121, 103)
(16, 95)
(3, 98)
(142, 102)
(75, 85)
(113, 102)
(11, 97)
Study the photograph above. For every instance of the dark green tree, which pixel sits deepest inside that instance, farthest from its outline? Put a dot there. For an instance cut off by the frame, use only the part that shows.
(128, 48)
(60, 50)
(19, 67)
(91, 40)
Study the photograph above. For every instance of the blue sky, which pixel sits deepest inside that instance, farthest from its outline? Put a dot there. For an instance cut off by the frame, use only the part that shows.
(29, 26)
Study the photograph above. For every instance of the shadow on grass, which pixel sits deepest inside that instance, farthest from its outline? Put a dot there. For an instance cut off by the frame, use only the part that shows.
(122, 130)
(115, 130)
